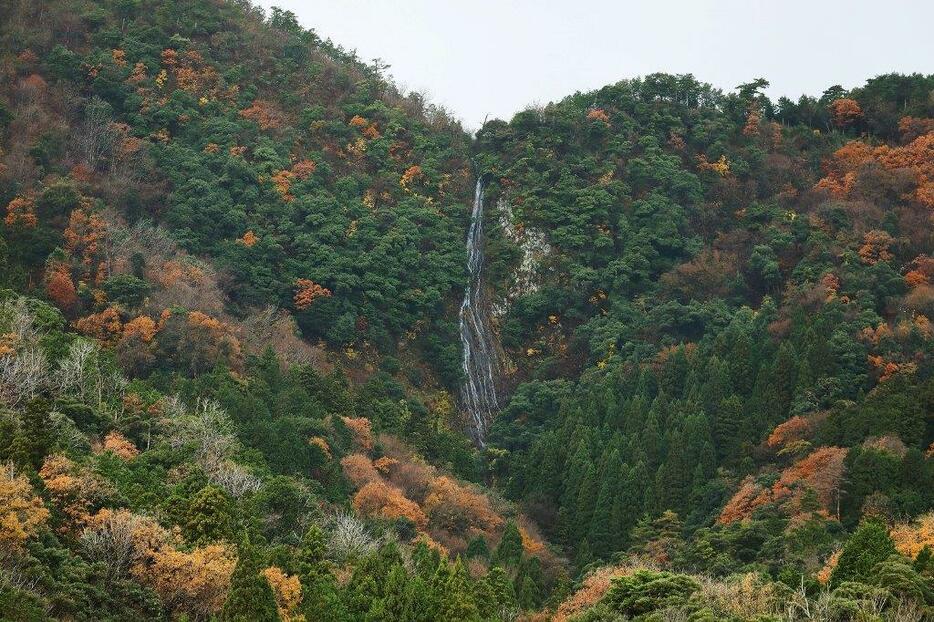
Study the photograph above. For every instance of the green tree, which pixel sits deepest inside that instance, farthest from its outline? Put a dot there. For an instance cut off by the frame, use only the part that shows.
(869, 545)
(250, 598)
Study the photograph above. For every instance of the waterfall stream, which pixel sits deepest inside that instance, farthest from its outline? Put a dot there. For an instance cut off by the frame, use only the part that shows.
(480, 362)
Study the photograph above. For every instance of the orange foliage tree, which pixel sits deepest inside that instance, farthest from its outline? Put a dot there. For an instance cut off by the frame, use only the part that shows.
(911, 538)
(876, 247)
(795, 429)
(142, 327)
(915, 158)
(249, 239)
(105, 326)
(362, 431)
(194, 582)
(22, 513)
(598, 114)
(379, 499)
(359, 470)
(120, 446)
(287, 591)
(845, 112)
(456, 507)
(21, 211)
(819, 472)
(59, 286)
(307, 291)
(264, 114)
(84, 234)
(74, 490)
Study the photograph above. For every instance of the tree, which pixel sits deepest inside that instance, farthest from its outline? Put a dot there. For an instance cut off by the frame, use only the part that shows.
(869, 545)
(250, 599)
(646, 591)
(209, 516)
(22, 513)
(845, 112)
(509, 551)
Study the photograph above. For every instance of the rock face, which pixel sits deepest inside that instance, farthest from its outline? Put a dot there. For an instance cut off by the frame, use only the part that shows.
(535, 249)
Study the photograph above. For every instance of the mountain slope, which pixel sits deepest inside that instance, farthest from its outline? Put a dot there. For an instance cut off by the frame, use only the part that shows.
(232, 259)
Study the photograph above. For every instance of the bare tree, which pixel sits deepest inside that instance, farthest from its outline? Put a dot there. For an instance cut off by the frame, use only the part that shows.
(96, 137)
(348, 537)
(22, 376)
(112, 542)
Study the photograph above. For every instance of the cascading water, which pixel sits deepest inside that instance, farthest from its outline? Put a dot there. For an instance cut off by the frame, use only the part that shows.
(480, 362)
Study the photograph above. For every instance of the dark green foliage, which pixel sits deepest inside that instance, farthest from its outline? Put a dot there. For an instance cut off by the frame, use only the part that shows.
(209, 516)
(869, 545)
(250, 598)
(645, 591)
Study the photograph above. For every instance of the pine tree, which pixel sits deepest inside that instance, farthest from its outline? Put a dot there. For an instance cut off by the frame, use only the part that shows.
(457, 604)
(500, 591)
(729, 420)
(320, 598)
(869, 545)
(250, 598)
(586, 500)
(509, 551)
(603, 535)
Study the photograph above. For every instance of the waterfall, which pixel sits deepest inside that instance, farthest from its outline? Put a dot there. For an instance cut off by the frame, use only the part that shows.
(480, 362)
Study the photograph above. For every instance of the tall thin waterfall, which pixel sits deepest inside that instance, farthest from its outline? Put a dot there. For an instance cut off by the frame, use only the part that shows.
(480, 363)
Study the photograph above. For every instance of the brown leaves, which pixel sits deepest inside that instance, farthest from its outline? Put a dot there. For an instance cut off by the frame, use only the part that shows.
(916, 159)
(287, 591)
(265, 114)
(120, 446)
(362, 431)
(598, 114)
(21, 211)
(876, 247)
(819, 472)
(105, 326)
(845, 112)
(380, 499)
(60, 288)
(307, 291)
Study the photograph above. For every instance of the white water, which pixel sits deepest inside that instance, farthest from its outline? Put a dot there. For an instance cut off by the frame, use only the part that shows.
(480, 363)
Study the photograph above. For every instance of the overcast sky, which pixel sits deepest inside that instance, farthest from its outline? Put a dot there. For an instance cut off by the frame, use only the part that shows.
(482, 58)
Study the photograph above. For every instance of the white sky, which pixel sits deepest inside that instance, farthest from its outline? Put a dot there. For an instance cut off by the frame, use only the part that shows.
(484, 58)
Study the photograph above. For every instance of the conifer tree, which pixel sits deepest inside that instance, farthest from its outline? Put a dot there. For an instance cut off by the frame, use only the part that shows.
(250, 598)
(509, 551)
(869, 545)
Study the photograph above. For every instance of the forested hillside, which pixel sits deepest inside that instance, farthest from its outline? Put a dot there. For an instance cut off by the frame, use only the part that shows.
(231, 260)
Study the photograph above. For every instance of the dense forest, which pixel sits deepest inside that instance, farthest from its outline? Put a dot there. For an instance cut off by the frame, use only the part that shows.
(231, 260)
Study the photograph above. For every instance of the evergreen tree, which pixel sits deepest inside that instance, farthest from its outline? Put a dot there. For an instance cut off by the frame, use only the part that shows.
(509, 551)
(604, 535)
(250, 598)
(457, 604)
(869, 545)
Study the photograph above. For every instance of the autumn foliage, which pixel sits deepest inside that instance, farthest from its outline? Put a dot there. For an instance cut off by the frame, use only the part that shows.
(912, 537)
(380, 499)
(287, 590)
(120, 446)
(265, 114)
(307, 291)
(362, 431)
(844, 112)
(21, 211)
(916, 159)
(60, 288)
(22, 512)
(819, 472)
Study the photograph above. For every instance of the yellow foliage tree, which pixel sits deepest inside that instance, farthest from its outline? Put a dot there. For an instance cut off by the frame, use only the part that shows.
(22, 513)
